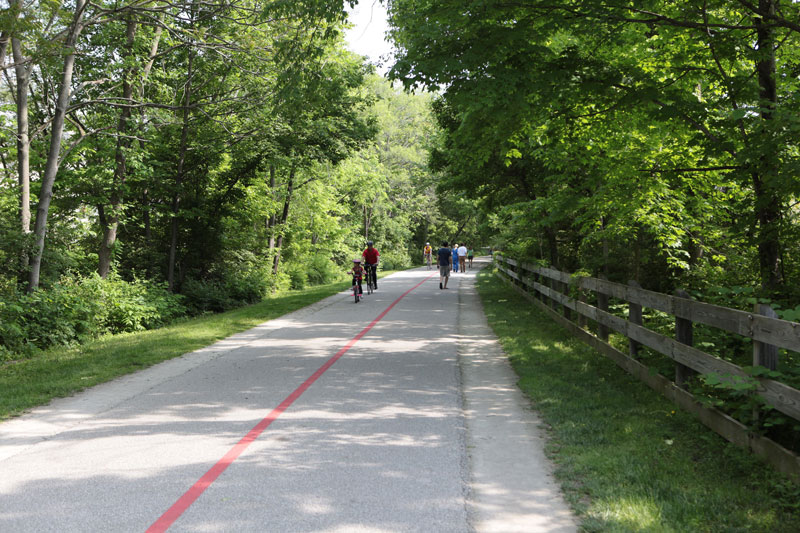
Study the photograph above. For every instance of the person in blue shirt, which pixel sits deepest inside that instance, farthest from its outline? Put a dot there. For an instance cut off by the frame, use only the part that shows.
(443, 261)
(455, 257)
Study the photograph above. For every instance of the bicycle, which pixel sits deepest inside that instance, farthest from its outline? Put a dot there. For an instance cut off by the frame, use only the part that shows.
(372, 282)
(356, 287)
(428, 259)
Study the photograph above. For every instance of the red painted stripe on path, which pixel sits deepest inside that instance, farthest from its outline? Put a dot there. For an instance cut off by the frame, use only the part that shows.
(189, 497)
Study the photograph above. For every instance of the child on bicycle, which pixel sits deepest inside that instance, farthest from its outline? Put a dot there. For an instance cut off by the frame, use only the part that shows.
(358, 274)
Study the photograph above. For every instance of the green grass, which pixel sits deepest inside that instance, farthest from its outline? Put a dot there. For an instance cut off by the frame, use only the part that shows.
(627, 459)
(61, 372)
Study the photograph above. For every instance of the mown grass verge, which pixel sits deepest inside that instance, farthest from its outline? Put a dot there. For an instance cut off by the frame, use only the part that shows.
(627, 459)
(63, 371)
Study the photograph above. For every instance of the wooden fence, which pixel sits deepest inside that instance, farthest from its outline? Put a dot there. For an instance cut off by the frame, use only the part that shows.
(549, 289)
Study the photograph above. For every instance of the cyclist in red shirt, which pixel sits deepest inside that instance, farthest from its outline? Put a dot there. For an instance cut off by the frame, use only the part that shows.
(370, 256)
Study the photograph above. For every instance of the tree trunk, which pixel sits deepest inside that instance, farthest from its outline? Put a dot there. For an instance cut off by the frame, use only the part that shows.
(282, 222)
(552, 246)
(57, 130)
(142, 118)
(637, 255)
(5, 37)
(604, 225)
(23, 76)
(148, 233)
(111, 225)
(461, 228)
(767, 201)
(272, 218)
(176, 198)
(366, 222)
(23, 141)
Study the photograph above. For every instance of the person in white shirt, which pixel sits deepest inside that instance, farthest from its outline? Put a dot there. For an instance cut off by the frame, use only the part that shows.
(462, 258)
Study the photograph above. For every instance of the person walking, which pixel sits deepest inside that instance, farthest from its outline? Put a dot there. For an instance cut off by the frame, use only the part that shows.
(470, 256)
(445, 260)
(455, 257)
(462, 258)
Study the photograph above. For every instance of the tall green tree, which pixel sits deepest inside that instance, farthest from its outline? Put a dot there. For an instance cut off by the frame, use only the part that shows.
(628, 120)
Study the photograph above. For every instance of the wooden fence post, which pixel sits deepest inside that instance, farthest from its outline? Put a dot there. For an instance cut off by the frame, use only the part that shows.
(685, 335)
(548, 282)
(582, 320)
(764, 354)
(634, 317)
(565, 292)
(602, 304)
(523, 276)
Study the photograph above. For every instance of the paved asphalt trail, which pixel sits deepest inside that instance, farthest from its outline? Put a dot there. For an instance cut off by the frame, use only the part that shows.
(418, 426)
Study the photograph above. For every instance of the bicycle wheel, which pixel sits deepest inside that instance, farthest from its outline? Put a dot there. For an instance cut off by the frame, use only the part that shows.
(369, 286)
(355, 291)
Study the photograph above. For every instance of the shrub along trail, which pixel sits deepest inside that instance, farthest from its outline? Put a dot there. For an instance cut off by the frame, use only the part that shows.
(337, 417)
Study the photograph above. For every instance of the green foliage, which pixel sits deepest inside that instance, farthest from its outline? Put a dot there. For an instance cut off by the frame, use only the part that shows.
(395, 260)
(601, 140)
(738, 397)
(127, 306)
(80, 308)
(298, 275)
(234, 152)
(237, 278)
(321, 270)
(207, 296)
(792, 315)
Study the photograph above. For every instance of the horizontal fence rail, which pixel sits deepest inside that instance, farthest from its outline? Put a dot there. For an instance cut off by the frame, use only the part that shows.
(549, 288)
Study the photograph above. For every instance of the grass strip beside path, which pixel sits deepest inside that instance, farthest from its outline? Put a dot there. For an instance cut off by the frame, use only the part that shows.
(60, 372)
(628, 459)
